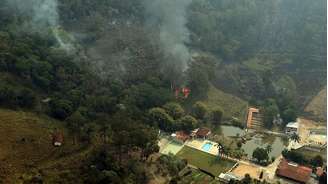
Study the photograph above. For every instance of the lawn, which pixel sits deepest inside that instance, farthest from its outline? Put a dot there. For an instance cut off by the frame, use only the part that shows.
(205, 161)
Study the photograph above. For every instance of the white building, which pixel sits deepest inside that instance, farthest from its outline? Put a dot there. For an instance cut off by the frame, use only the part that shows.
(292, 128)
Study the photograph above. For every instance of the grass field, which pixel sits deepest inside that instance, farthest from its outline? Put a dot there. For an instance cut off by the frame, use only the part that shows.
(205, 161)
(26, 146)
(231, 105)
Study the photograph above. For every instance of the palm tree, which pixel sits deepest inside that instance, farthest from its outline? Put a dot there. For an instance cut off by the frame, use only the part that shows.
(268, 148)
(295, 137)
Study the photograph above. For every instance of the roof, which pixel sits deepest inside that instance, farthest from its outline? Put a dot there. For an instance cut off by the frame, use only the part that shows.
(203, 131)
(251, 110)
(319, 171)
(57, 137)
(182, 135)
(292, 125)
(294, 171)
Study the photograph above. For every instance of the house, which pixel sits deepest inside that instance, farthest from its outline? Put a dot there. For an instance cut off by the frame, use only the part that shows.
(203, 132)
(180, 136)
(57, 139)
(293, 171)
(254, 118)
(292, 128)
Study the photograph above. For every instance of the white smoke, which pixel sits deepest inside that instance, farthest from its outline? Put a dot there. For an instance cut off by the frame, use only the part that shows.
(43, 13)
(171, 17)
(41, 16)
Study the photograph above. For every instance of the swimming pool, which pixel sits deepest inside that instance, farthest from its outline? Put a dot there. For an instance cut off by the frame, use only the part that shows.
(207, 146)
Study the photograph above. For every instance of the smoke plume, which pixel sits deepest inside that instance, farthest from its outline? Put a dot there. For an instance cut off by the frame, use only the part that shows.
(42, 13)
(170, 16)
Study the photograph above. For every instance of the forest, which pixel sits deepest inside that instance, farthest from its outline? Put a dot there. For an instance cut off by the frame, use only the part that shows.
(107, 69)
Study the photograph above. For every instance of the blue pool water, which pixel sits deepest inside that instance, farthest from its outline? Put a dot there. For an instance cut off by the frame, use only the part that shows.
(207, 146)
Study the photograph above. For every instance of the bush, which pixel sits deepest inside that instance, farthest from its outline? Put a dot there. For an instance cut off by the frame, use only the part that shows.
(200, 110)
(174, 109)
(61, 109)
(217, 115)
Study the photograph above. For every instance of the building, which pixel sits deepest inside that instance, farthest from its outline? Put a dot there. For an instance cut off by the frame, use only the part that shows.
(57, 139)
(292, 128)
(294, 172)
(254, 118)
(202, 132)
(180, 136)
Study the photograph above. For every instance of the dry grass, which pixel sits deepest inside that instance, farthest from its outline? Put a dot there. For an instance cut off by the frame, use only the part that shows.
(231, 105)
(318, 106)
(25, 143)
(243, 169)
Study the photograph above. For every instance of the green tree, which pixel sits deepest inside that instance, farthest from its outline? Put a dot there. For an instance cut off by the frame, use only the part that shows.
(268, 148)
(187, 123)
(295, 137)
(200, 110)
(198, 81)
(317, 161)
(289, 115)
(74, 124)
(217, 115)
(174, 109)
(270, 111)
(161, 118)
(260, 154)
(60, 108)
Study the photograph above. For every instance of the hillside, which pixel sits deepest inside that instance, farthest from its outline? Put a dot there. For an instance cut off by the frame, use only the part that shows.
(26, 146)
(231, 105)
(317, 106)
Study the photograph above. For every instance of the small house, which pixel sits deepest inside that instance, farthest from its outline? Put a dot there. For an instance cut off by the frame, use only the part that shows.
(203, 133)
(57, 139)
(292, 128)
(180, 136)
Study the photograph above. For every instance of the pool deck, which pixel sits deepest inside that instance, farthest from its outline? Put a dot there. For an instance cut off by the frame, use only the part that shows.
(198, 144)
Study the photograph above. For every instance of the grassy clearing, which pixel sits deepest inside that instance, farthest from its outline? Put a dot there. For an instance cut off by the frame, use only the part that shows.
(205, 161)
(231, 105)
(317, 105)
(26, 144)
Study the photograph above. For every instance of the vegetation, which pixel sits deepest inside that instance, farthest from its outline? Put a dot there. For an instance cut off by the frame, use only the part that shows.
(231, 105)
(262, 155)
(200, 110)
(102, 71)
(313, 160)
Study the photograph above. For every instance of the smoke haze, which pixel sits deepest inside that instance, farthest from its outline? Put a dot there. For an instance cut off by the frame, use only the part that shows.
(170, 16)
(43, 13)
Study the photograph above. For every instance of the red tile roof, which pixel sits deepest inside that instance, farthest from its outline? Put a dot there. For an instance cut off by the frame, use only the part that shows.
(57, 137)
(319, 171)
(182, 135)
(203, 132)
(293, 171)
